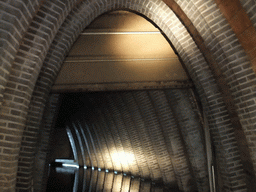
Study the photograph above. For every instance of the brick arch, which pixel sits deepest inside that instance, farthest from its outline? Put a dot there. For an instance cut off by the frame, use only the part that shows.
(17, 98)
(184, 56)
(18, 16)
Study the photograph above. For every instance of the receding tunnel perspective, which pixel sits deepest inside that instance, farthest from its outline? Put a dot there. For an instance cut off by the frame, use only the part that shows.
(127, 95)
(129, 141)
(135, 140)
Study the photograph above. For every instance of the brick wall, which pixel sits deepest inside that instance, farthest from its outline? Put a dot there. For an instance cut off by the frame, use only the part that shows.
(35, 36)
(15, 19)
(174, 141)
(40, 169)
(191, 130)
(31, 136)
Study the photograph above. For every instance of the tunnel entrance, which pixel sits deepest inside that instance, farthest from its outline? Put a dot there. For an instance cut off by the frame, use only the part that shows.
(145, 131)
(210, 41)
(121, 50)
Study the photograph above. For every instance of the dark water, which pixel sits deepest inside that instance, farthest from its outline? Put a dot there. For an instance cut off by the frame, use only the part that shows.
(63, 179)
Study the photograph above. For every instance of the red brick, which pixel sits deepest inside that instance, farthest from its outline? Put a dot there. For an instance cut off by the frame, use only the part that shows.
(248, 39)
(229, 7)
(252, 54)
(240, 22)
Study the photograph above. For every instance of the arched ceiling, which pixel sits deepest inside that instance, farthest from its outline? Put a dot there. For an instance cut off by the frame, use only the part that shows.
(121, 51)
(135, 132)
(215, 39)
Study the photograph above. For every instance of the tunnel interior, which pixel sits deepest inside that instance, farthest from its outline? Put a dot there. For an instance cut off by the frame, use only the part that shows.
(139, 139)
(144, 139)
(113, 113)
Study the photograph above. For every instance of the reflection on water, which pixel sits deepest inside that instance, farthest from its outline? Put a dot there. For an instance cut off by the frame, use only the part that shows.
(72, 179)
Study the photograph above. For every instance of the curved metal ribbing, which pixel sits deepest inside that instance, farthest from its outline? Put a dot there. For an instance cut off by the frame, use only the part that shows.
(98, 147)
(75, 150)
(93, 180)
(87, 179)
(90, 142)
(94, 144)
(83, 143)
(76, 145)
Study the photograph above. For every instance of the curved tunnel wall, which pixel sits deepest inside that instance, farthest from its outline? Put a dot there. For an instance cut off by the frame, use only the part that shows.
(156, 135)
(36, 36)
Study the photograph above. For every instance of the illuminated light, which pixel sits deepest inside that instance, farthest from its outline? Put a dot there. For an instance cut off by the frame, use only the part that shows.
(92, 168)
(69, 165)
(85, 167)
(115, 172)
(99, 169)
(123, 158)
(106, 171)
(124, 174)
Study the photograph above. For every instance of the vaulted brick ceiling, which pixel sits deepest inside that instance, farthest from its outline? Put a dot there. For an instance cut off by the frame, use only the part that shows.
(215, 41)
